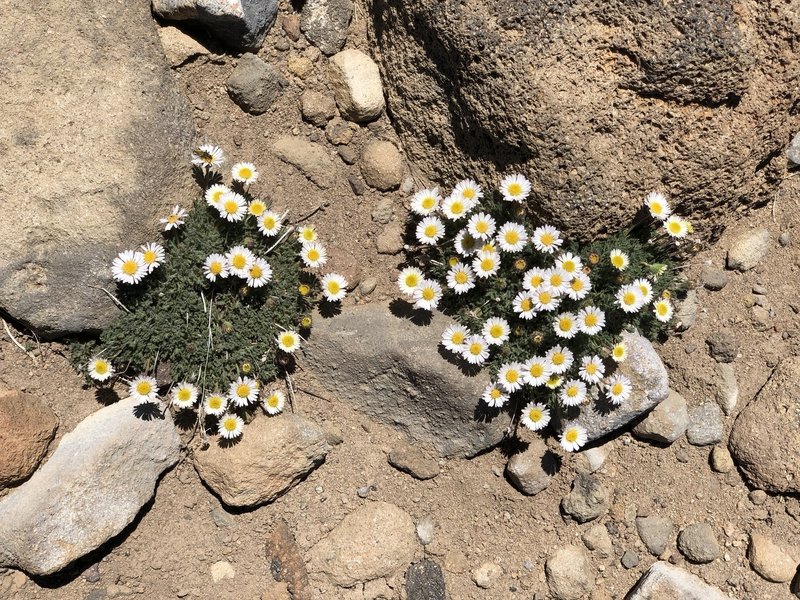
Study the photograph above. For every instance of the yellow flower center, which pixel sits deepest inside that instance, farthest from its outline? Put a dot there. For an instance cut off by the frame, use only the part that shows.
(256, 272)
(461, 277)
(430, 231)
(512, 237)
(536, 370)
(287, 339)
(576, 285)
(591, 368)
(412, 280)
(629, 298)
(458, 337)
(129, 267)
(313, 255)
(428, 202)
(565, 324)
(547, 239)
(569, 266)
(468, 193)
(101, 367)
(269, 223)
(572, 391)
(475, 348)
(231, 207)
(184, 394)
(456, 208)
(526, 304)
(214, 402)
(556, 280)
(215, 267)
(230, 424)
(590, 319)
(617, 261)
(305, 322)
(149, 256)
(558, 358)
(303, 289)
(216, 195)
(512, 376)
(239, 261)
(661, 309)
(618, 352)
(172, 219)
(495, 393)
(644, 288)
(545, 297)
(452, 261)
(675, 226)
(487, 264)
(514, 189)
(571, 436)
(616, 389)
(428, 293)
(143, 388)
(245, 173)
(536, 280)
(308, 234)
(257, 208)
(273, 401)
(496, 331)
(482, 227)
(657, 208)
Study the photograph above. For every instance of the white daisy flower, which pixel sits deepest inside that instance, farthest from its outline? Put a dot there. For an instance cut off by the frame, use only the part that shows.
(573, 437)
(430, 230)
(215, 266)
(663, 310)
(658, 205)
(244, 172)
(619, 352)
(257, 208)
(306, 233)
(481, 226)
(646, 288)
(260, 273)
(476, 350)
(232, 207)
(511, 376)
(486, 263)
(566, 325)
(469, 192)
(569, 263)
(288, 341)
(537, 371)
(460, 278)
(545, 299)
(591, 320)
(592, 369)
(175, 219)
(270, 223)
(239, 260)
(427, 295)
(184, 395)
(215, 404)
(573, 393)
(535, 416)
(231, 426)
(512, 237)
(494, 395)
(273, 403)
(619, 260)
(243, 391)
(129, 267)
(454, 336)
(208, 156)
(425, 202)
(409, 279)
(99, 369)
(554, 381)
(547, 239)
(630, 299)
(533, 278)
(560, 359)
(515, 188)
(153, 255)
(215, 193)
(144, 388)
(557, 280)
(313, 254)
(579, 287)
(465, 244)
(454, 207)
(618, 388)
(523, 306)
(676, 227)
(496, 331)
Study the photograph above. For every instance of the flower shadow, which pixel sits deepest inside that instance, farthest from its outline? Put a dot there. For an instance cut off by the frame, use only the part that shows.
(149, 411)
(402, 309)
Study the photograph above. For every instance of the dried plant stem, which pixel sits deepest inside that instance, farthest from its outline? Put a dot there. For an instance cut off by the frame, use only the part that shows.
(16, 343)
(290, 386)
(116, 300)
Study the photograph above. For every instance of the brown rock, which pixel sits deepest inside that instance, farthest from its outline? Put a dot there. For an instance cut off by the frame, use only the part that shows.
(382, 165)
(27, 426)
(291, 25)
(286, 562)
(414, 460)
(272, 456)
(769, 560)
(317, 108)
(532, 469)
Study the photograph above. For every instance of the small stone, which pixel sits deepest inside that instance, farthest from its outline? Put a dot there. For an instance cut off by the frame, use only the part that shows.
(681, 456)
(221, 517)
(310, 158)
(785, 239)
(390, 240)
(487, 575)
(758, 497)
(382, 165)
(27, 426)
(424, 581)
(592, 459)
(254, 85)
(721, 460)
(698, 543)
(425, 529)
(686, 312)
(727, 387)
(382, 213)
(793, 151)
(666, 422)
(705, 425)
(597, 539)
(348, 154)
(367, 286)
(714, 279)
(629, 559)
(760, 290)
(222, 570)
(722, 346)
(357, 85)
(412, 459)
(340, 132)
(299, 65)
(92, 574)
(291, 25)
(569, 574)
(178, 47)
(358, 187)
(748, 249)
(282, 44)
(532, 469)
(363, 491)
(325, 23)
(407, 185)
(770, 560)
(587, 500)
(317, 108)
(655, 532)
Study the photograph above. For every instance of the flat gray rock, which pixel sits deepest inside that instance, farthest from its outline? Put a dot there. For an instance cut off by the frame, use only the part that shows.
(239, 24)
(254, 85)
(391, 369)
(748, 249)
(96, 165)
(705, 424)
(93, 486)
(663, 580)
(666, 422)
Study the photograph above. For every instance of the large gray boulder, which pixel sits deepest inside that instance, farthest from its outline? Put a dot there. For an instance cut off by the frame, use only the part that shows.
(93, 486)
(596, 102)
(96, 141)
(391, 369)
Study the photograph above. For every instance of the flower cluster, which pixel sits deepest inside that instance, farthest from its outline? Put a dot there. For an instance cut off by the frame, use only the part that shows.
(222, 302)
(544, 315)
